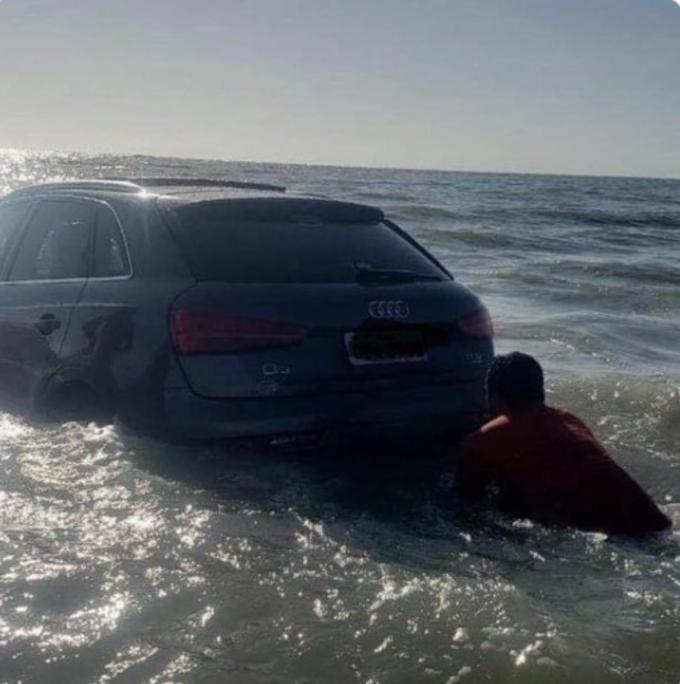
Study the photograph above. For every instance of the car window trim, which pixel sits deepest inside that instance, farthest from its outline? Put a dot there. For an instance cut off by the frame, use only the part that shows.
(7, 269)
(17, 237)
(398, 230)
(121, 232)
(33, 281)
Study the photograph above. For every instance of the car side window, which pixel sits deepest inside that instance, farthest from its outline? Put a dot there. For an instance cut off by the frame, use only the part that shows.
(110, 255)
(56, 243)
(11, 217)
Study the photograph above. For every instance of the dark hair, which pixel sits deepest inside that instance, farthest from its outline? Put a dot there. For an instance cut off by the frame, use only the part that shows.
(516, 378)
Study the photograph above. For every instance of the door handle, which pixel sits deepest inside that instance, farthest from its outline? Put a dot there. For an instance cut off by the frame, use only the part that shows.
(47, 324)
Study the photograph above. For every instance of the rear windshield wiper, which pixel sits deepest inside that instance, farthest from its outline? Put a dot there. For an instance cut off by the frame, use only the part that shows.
(367, 273)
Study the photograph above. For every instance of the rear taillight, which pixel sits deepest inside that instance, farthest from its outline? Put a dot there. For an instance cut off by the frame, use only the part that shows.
(477, 324)
(213, 332)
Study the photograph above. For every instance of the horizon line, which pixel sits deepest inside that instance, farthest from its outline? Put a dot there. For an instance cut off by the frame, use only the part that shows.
(422, 169)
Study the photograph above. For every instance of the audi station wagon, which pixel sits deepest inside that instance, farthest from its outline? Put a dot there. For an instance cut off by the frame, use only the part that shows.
(212, 309)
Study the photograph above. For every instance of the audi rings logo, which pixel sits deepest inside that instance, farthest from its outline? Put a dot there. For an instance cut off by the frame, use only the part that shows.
(388, 309)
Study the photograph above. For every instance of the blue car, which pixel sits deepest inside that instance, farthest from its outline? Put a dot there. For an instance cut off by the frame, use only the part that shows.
(202, 310)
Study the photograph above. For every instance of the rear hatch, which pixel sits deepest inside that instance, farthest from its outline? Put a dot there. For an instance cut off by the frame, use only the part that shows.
(298, 297)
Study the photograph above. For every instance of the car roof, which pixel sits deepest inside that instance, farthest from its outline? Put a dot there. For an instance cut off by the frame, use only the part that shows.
(239, 199)
(89, 188)
(140, 186)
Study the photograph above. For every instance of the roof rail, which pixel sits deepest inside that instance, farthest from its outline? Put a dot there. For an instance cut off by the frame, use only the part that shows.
(199, 183)
(57, 186)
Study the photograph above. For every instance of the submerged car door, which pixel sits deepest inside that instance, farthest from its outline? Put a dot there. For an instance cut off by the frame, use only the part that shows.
(43, 281)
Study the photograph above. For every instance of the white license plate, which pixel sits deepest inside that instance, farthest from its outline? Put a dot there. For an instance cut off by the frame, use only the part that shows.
(385, 346)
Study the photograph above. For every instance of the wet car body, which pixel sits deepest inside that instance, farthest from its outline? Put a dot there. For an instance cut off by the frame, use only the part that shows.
(250, 315)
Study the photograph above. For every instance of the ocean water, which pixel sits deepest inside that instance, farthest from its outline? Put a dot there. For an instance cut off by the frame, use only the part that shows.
(126, 560)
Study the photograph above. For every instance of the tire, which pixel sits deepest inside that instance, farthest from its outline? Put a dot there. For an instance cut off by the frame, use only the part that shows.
(74, 401)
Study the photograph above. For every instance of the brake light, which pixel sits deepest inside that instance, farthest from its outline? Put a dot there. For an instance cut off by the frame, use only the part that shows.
(213, 332)
(477, 324)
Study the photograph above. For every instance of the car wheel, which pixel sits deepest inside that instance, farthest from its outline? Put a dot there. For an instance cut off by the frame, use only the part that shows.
(74, 401)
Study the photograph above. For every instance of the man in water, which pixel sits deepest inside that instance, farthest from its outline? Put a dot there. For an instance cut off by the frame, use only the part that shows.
(544, 463)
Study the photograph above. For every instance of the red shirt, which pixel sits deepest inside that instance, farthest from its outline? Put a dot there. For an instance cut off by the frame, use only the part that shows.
(545, 463)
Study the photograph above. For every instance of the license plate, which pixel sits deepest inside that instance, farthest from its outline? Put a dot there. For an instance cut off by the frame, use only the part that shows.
(384, 346)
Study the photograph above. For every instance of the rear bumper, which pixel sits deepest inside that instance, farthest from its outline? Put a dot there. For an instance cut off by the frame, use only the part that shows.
(454, 409)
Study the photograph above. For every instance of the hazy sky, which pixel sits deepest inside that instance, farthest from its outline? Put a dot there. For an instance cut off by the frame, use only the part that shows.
(575, 86)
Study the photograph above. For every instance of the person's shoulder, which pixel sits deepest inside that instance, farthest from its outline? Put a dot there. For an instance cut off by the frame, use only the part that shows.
(571, 420)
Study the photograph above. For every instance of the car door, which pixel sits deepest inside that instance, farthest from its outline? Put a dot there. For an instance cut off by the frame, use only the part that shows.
(44, 279)
(12, 218)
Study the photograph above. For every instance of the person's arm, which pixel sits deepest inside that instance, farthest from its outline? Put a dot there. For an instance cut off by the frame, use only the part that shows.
(471, 470)
(637, 512)
(618, 504)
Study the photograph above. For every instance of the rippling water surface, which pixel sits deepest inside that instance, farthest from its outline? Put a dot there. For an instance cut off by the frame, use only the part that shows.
(124, 560)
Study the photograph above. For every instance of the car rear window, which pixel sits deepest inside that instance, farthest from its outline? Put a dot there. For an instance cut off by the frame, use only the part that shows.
(220, 247)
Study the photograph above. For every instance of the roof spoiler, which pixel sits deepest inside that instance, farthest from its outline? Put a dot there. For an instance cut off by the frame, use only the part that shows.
(301, 210)
(153, 182)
